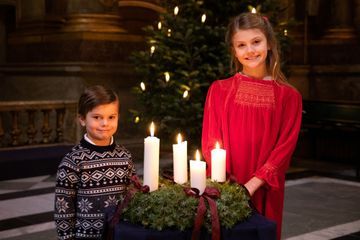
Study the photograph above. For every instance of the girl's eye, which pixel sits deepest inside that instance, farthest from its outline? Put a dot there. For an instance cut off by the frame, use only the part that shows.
(112, 117)
(240, 45)
(257, 41)
(96, 117)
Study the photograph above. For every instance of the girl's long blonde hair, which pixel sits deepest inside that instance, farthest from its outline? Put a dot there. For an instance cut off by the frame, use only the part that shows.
(247, 21)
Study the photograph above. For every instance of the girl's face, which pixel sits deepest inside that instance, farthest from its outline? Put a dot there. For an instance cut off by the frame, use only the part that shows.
(101, 123)
(250, 48)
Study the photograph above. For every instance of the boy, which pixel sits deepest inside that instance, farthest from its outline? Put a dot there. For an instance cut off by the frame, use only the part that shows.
(93, 175)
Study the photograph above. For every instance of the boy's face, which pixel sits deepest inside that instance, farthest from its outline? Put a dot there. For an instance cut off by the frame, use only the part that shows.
(101, 123)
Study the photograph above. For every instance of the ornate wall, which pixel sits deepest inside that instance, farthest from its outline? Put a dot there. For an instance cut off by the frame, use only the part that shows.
(53, 49)
(326, 65)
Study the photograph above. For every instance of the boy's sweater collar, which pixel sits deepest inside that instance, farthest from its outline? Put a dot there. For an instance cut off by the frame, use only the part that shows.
(96, 148)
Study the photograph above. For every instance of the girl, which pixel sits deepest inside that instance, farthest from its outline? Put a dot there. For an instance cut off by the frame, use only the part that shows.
(95, 173)
(255, 115)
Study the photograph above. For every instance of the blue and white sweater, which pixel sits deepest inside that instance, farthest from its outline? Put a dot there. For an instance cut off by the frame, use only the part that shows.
(89, 180)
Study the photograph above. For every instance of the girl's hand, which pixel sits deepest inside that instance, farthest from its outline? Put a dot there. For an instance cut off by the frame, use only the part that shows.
(253, 184)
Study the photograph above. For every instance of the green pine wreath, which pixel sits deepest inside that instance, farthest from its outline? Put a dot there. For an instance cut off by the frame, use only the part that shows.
(170, 207)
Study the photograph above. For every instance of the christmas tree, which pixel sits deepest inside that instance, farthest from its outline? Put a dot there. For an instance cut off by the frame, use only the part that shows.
(186, 52)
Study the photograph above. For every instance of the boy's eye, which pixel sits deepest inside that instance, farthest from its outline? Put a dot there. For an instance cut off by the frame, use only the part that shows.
(96, 117)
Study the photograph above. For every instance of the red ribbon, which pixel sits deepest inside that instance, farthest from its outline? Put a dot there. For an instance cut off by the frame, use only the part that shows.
(120, 207)
(209, 194)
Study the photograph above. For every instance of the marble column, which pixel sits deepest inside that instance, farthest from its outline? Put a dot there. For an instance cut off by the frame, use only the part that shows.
(34, 18)
(34, 9)
(93, 15)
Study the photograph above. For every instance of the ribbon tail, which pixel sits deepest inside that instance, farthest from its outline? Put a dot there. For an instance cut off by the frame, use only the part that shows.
(200, 214)
(215, 222)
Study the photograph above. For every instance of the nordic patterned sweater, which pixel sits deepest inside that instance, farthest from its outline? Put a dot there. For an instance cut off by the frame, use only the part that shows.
(89, 180)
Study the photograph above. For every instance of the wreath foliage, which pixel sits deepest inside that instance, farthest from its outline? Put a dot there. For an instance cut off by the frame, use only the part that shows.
(170, 207)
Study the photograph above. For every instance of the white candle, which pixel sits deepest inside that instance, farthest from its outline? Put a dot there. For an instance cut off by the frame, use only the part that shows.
(180, 161)
(151, 160)
(218, 164)
(198, 173)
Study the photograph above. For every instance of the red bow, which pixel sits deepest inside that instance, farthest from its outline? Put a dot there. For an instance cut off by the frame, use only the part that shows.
(209, 194)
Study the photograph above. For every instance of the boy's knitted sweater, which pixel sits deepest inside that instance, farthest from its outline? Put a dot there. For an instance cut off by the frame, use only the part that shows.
(89, 180)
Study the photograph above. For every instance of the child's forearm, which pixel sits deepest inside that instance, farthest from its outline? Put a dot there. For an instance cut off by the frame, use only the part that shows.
(254, 184)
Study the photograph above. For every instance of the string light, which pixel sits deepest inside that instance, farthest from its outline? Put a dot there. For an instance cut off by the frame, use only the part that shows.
(152, 50)
(169, 32)
(167, 76)
(142, 86)
(203, 18)
(176, 10)
(137, 119)
(285, 32)
(186, 94)
(159, 25)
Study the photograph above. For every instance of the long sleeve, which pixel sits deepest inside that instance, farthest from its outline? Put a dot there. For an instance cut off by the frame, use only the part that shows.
(65, 199)
(279, 159)
(211, 129)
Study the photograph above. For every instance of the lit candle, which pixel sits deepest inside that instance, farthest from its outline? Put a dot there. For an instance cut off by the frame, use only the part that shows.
(180, 161)
(151, 160)
(198, 173)
(218, 164)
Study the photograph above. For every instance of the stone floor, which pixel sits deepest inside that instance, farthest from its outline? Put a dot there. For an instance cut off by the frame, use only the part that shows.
(322, 201)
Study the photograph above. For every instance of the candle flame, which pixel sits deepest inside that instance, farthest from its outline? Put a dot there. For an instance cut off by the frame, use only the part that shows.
(217, 145)
(197, 155)
(253, 10)
(152, 129)
(179, 139)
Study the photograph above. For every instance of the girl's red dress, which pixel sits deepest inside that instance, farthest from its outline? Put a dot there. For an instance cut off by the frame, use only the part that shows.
(257, 122)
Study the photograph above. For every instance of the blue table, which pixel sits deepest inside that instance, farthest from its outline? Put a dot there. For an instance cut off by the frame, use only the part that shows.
(256, 227)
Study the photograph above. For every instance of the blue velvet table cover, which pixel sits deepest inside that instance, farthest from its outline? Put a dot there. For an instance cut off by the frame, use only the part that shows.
(257, 227)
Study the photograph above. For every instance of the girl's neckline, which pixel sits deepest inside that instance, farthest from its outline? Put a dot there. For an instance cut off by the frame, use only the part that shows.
(266, 78)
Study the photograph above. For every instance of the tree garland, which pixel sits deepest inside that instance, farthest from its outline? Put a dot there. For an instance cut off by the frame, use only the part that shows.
(170, 207)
